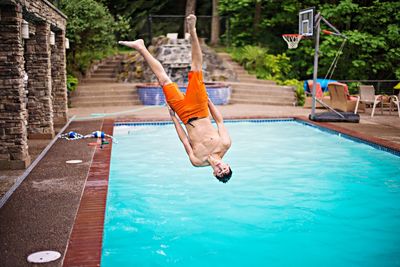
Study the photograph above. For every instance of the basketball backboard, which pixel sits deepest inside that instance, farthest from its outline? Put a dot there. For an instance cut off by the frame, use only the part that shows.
(306, 22)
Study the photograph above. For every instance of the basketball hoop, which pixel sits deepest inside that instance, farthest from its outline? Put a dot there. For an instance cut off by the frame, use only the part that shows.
(292, 40)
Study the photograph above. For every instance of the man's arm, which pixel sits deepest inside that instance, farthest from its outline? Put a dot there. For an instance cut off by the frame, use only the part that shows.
(184, 139)
(223, 132)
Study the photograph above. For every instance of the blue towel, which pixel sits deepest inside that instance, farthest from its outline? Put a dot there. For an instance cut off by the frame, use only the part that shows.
(323, 82)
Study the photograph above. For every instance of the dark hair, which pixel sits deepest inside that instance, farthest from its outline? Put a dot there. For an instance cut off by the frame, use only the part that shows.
(225, 178)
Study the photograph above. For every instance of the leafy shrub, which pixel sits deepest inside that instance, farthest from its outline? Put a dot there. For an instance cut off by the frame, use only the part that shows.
(123, 28)
(72, 83)
(266, 66)
(90, 31)
(277, 67)
(251, 57)
(353, 87)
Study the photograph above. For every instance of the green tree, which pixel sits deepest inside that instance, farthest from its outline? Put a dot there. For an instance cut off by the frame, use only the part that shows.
(90, 30)
(134, 11)
(373, 47)
(215, 23)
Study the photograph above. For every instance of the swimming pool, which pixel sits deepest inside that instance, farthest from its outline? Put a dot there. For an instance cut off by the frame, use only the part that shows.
(298, 196)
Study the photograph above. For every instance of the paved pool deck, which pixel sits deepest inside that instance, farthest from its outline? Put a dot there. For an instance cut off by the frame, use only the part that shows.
(40, 214)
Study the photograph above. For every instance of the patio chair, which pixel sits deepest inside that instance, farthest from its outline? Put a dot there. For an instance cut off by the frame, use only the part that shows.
(395, 100)
(340, 99)
(368, 97)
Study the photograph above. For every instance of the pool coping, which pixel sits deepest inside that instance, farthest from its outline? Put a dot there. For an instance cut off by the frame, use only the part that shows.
(85, 244)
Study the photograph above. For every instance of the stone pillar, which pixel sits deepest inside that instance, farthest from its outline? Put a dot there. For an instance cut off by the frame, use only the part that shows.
(13, 134)
(38, 67)
(59, 81)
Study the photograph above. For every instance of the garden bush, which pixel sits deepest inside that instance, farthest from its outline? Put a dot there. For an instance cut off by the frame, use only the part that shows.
(90, 31)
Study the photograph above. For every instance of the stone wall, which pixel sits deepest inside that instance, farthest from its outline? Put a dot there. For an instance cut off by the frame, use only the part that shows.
(28, 107)
(38, 68)
(13, 134)
(59, 79)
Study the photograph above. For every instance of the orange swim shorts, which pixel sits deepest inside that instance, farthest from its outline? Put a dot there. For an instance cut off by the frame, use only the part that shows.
(193, 104)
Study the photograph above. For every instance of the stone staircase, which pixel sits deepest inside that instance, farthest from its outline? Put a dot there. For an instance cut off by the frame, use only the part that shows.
(250, 90)
(102, 89)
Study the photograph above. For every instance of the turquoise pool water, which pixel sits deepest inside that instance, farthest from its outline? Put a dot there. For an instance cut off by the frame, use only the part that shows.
(298, 196)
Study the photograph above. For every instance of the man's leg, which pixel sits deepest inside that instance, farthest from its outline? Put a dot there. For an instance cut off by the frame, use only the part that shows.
(154, 64)
(197, 57)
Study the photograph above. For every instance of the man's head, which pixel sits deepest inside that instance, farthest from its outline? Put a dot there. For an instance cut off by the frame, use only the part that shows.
(222, 171)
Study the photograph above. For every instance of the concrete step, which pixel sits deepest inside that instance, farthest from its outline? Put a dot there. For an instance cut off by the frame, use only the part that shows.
(106, 103)
(101, 75)
(111, 62)
(237, 66)
(233, 63)
(100, 80)
(224, 54)
(284, 102)
(99, 71)
(241, 71)
(262, 92)
(258, 81)
(114, 61)
(247, 76)
(107, 68)
(105, 98)
(260, 95)
(124, 92)
(230, 61)
(108, 86)
(257, 86)
(105, 93)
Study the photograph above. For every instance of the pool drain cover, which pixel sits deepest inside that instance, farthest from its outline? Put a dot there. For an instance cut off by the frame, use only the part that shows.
(44, 256)
(74, 161)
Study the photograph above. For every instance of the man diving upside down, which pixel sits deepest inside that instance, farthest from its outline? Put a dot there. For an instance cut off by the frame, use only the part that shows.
(204, 144)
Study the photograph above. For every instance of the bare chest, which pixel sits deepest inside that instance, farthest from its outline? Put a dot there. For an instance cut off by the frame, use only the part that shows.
(208, 145)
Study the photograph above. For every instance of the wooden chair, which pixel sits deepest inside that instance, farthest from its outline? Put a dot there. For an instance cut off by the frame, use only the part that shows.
(340, 99)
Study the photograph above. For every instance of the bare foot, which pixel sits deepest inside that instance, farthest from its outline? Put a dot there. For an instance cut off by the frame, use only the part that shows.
(138, 44)
(191, 21)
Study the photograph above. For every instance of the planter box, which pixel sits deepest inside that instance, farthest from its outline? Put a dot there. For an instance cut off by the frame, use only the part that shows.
(152, 94)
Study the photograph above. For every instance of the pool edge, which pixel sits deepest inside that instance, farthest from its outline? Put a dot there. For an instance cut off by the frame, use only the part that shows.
(85, 244)
(375, 142)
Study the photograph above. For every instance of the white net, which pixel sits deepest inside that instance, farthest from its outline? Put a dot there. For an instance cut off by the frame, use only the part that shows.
(292, 40)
